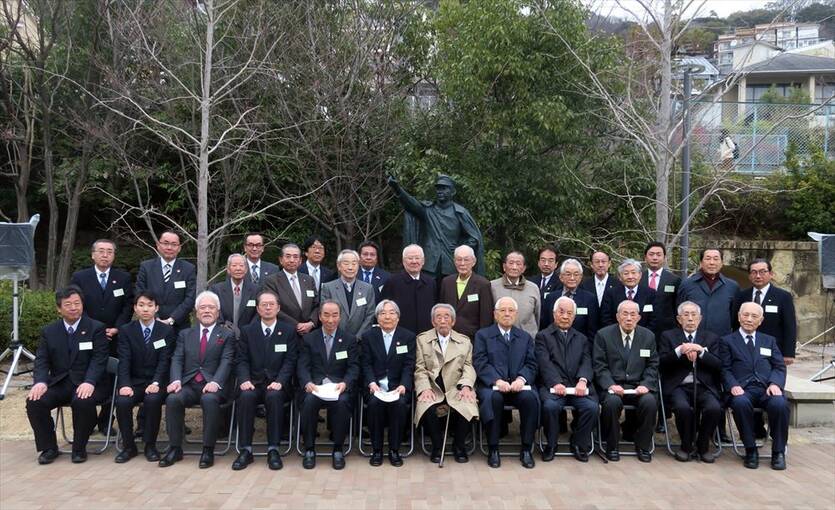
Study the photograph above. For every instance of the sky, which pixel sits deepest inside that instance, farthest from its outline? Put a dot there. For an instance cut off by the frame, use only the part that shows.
(722, 7)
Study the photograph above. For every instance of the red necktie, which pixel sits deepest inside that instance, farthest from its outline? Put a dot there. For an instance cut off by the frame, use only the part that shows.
(237, 291)
(204, 342)
(630, 294)
(653, 283)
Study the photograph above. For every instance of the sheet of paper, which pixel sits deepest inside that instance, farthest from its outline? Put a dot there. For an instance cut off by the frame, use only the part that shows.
(327, 392)
(626, 392)
(568, 391)
(526, 387)
(388, 396)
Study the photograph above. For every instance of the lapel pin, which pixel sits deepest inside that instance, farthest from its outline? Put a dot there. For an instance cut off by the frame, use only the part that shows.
(339, 340)
(396, 343)
(83, 332)
(178, 270)
(279, 333)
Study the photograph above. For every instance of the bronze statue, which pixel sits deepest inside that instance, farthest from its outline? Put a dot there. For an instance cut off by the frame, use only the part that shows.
(439, 227)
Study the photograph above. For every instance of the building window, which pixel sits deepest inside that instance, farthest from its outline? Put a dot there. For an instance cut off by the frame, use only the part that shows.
(824, 93)
(754, 93)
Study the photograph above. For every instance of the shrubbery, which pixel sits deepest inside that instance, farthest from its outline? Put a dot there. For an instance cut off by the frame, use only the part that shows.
(37, 310)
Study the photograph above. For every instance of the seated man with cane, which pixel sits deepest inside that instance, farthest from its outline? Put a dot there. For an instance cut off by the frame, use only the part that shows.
(691, 372)
(444, 379)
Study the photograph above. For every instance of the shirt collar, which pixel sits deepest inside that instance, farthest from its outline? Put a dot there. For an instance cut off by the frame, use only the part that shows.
(658, 272)
(623, 334)
(744, 334)
(444, 338)
(384, 332)
(149, 326)
(210, 328)
(74, 325)
(763, 291)
(264, 327)
(99, 272)
(162, 263)
(602, 281)
(503, 331)
(693, 334)
(289, 275)
(311, 268)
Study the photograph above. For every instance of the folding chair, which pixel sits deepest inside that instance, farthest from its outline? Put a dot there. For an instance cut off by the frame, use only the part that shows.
(112, 369)
(628, 453)
(187, 451)
(541, 432)
(291, 407)
(738, 447)
(348, 438)
(366, 442)
(670, 445)
(483, 446)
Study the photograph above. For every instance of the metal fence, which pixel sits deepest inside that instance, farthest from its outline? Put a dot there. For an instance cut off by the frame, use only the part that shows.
(763, 132)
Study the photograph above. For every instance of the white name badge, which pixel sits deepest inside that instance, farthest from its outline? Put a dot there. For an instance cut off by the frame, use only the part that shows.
(582, 311)
(85, 346)
(361, 301)
(159, 344)
(402, 349)
(472, 298)
(765, 351)
(281, 348)
(118, 292)
(311, 293)
(647, 308)
(180, 284)
(644, 353)
(770, 308)
(669, 288)
(342, 355)
(251, 302)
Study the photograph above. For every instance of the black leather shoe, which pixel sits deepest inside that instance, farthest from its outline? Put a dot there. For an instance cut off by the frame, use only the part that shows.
(151, 453)
(435, 456)
(548, 454)
(580, 454)
(339, 460)
(309, 461)
(274, 460)
(643, 455)
(660, 428)
(376, 458)
(682, 456)
(395, 459)
(79, 456)
(207, 458)
(171, 456)
(526, 459)
(778, 461)
(760, 432)
(461, 457)
(494, 460)
(244, 459)
(125, 455)
(752, 459)
(725, 438)
(139, 432)
(708, 457)
(613, 455)
(47, 456)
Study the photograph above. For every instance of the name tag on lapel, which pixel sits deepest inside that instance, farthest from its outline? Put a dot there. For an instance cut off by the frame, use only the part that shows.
(472, 298)
(582, 311)
(402, 349)
(281, 348)
(341, 354)
(765, 351)
(361, 301)
(118, 292)
(647, 308)
(669, 288)
(88, 346)
(645, 353)
(251, 302)
(310, 293)
(770, 308)
(159, 344)
(180, 284)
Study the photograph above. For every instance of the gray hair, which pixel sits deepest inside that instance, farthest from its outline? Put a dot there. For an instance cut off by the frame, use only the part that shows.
(627, 302)
(343, 253)
(442, 305)
(506, 298)
(573, 262)
(680, 309)
(290, 245)
(565, 298)
(230, 257)
(207, 294)
(465, 247)
(629, 262)
(749, 304)
(413, 247)
(379, 308)
(329, 302)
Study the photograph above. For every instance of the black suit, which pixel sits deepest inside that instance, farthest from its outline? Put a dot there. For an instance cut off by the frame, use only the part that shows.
(779, 318)
(587, 318)
(63, 362)
(565, 359)
(325, 275)
(612, 285)
(265, 269)
(678, 394)
(140, 364)
(343, 365)
(378, 279)
(397, 365)
(176, 297)
(113, 305)
(613, 365)
(550, 286)
(415, 298)
(666, 300)
(263, 361)
(644, 296)
(246, 309)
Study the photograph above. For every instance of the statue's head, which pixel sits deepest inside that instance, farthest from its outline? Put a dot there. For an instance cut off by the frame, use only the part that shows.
(444, 189)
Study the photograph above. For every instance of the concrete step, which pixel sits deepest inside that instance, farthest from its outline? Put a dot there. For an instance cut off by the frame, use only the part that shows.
(812, 404)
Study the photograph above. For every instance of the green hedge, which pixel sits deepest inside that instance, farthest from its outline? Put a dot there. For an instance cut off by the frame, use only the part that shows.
(37, 307)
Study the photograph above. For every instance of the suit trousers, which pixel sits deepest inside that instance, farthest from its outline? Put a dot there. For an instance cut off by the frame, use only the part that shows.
(777, 409)
(584, 418)
(273, 400)
(387, 414)
(708, 411)
(339, 417)
(645, 414)
(528, 405)
(434, 425)
(150, 417)
(175, 412)
(39, 413)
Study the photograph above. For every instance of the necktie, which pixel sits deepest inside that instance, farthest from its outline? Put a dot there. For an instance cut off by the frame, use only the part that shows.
(758, 297)
(296, 290)
(70, 331)
(366, 276)
(442, 341)
(387, 341)
(255, 276)
(569, 294)
(166, 272)
(690, 339)
(204, 343)
(146, 334)
(316, 277)
(630, 294)
(267, 333)
(328, 345)
(750, 343)
(237, 290)
(627, 343)
(653, 282)
(103, 280)
(543, 283)
(507, 337)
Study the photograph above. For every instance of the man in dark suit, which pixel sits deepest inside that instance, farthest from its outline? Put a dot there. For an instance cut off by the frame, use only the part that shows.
(328, 355)
(601, 281)
(199, 372)
(267, 356)
(257, 268)
(171, 280)
(629, 272)
(237, 294)
(779, 319)
(690, 363)
(505, 364)
(546, 279)
(664, 283)
(469, 293)
(625, 360)
(370, 273)
(587, 316)
(754, 373)
(564, 358)
(413, 291)
(314, 254)
(298, 295)
(388, 364)
(145, 349)
(355, 298)
(69, 364)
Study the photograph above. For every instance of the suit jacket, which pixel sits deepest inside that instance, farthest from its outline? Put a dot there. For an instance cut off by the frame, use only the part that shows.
(553, 284)
(217, 363)
(82, 358)
(612, 284)
(246, 309)
(674, 368)
(474, 310)
(397, 364)
(379, 277)
(494, 359)
(290, 310)
(175, 298)
(113, 305)
(343, 365)
(563, 360)
(265, 269)
(415, 298)
(263, 360)
(779, 318)
(644, 296)
(454, 367)
(142, 363)
(325, 275)
(716, 303)
(740, 368)
(358, 315)
(612, 365)
(587, 319)
(666, 300)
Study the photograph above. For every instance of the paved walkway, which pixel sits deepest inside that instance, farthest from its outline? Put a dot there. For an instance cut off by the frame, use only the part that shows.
(809, 482)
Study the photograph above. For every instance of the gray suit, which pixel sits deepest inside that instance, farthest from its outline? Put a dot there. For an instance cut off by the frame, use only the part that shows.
(246, 305)
(290, 310)
(359, 316)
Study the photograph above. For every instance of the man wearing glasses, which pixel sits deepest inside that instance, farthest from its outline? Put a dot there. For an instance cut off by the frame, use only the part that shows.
(257, 269)
(172, 280)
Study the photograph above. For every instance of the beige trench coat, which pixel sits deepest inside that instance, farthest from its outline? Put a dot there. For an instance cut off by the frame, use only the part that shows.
(455, 367)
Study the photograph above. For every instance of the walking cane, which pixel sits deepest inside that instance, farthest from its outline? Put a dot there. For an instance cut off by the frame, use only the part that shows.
(443, 444)
(695, 428)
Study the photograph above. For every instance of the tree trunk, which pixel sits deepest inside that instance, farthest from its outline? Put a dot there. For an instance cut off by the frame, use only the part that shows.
(203, 168)
(662, 128)
(49, 173)
(71, 222)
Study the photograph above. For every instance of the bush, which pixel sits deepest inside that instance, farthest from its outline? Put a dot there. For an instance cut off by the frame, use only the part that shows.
(37, 310)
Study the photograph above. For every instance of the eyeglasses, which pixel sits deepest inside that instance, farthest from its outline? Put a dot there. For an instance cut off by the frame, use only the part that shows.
(103, 251)
(255, 245)
(762, 272)
(169, 243)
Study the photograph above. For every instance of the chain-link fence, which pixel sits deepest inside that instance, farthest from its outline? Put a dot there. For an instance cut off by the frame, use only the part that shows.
(761, 132)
